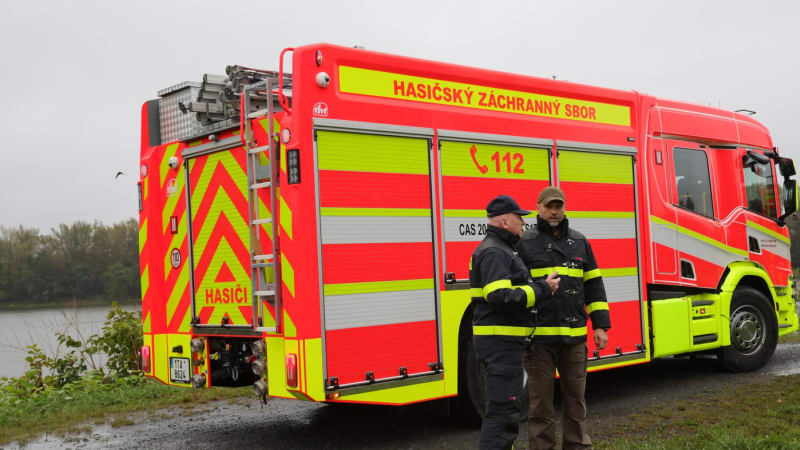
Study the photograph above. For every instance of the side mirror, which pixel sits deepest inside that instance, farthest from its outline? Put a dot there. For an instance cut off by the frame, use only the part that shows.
(758, 157)
(790, 200)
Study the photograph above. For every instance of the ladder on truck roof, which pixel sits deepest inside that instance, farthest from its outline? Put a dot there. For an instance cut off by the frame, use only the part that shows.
(264, 262)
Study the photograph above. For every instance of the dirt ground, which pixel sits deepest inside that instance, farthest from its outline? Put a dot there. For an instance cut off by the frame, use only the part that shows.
(611, 395)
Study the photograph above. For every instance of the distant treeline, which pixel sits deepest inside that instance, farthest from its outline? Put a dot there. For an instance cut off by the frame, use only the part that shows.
(90, 260)
(83, 260)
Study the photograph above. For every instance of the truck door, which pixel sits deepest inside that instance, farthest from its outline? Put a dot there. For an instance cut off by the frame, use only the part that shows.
(703, 252)
(219, 239)
(598, 182)
(378, 267)
(766, 243)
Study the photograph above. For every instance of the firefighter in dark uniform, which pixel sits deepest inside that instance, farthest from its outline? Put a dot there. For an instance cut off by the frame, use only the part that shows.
(559, 339)
(502, 296)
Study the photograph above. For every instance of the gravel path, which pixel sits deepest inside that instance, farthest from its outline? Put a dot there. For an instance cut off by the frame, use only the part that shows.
(292, 424)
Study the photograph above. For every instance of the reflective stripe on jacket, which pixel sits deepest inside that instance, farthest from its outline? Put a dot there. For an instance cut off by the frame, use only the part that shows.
(501, 287)
(562, 318)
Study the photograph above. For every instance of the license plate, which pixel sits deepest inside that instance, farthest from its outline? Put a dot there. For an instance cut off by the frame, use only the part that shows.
(179, 370)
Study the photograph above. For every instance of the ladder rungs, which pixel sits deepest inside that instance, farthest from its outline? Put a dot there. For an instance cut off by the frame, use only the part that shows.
(265, 184)
(261, 221)
(262, 265)
(255, 150)
(259, 113)
(264, 293)
(267, 329)
(262, 257)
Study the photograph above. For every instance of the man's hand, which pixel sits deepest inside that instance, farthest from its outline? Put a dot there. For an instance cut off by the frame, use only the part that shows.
(553, 281)
(600, 338)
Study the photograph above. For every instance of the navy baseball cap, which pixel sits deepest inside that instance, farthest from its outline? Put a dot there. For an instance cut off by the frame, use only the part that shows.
(504, 204)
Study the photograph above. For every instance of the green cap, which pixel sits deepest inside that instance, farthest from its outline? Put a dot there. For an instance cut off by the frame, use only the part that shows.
(551, 193)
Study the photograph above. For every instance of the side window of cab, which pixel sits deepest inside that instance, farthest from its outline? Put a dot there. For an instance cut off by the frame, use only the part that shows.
(759, 187)
(693, 182)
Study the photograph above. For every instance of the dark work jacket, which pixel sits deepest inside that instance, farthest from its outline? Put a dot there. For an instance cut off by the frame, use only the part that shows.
(502, 290)
(562, 317)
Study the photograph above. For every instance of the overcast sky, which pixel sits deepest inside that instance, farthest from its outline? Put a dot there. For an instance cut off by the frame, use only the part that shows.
(75, 73)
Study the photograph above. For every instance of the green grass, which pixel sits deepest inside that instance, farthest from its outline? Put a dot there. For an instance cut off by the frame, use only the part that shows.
(755, 415)
(56, 415)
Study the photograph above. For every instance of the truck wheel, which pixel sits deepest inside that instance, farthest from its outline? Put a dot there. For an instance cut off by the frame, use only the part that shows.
(754, 331)
(472, 385)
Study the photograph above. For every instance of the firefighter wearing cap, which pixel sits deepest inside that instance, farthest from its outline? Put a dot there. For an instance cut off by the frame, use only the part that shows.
(502, 296)
(559, 339)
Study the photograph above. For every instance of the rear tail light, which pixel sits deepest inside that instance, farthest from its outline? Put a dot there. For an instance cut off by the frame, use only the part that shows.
(146, 359)
(291, 370)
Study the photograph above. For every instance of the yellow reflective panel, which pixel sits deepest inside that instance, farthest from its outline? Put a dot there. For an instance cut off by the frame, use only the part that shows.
(494, 161)
(371, 153)
(595, 167)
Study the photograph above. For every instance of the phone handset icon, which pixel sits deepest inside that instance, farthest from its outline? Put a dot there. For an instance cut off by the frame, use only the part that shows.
(474, 152)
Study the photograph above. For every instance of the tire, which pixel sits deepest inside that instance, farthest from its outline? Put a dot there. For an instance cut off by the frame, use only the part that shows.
(753, 331)
(471, 400)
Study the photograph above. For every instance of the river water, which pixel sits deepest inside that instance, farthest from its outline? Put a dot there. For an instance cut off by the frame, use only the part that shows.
(21, 328)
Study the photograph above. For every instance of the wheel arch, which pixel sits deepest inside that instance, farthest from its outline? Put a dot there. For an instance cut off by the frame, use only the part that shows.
(743, 273)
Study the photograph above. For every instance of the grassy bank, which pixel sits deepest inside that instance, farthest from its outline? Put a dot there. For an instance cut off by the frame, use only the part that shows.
(756, 415)
(71, 412)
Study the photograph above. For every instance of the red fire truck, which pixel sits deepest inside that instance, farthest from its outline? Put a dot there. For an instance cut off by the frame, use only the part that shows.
(309, 233)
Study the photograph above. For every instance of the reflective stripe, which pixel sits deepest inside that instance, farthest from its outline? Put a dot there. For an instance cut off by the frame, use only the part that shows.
(495, 285)
(375, 229)
(378, 286)
(604, 228)
(481, 213)
(620, 272)
(715, 254)
(500, 330)
(770, 242)
(766, 230)
(591, 274)
(529, 292)
(476, 292)
(621, 289)
(545, 271)
(560, 331)
(601, 215)
(373, 212)
(378, 308)
(596, 306)
(692, 241)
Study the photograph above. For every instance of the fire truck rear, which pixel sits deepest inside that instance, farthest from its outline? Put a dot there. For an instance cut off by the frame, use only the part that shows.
(309, 234)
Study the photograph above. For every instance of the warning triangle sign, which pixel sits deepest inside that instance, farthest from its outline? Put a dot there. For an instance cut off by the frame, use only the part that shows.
(224, 275)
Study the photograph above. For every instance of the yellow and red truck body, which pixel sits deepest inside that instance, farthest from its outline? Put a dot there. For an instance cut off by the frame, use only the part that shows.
(393, 160)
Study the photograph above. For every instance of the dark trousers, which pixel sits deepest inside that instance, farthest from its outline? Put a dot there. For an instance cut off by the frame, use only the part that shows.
(504, 382)
(541, 363)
